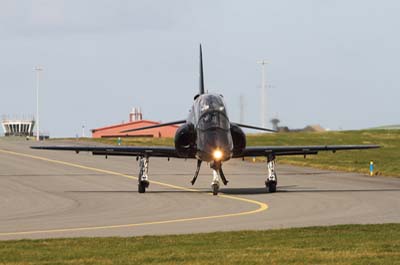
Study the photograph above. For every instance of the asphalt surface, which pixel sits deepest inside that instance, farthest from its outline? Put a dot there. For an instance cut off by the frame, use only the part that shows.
(46, 194)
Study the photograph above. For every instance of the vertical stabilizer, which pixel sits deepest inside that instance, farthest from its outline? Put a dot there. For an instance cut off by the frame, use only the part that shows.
(201, 86)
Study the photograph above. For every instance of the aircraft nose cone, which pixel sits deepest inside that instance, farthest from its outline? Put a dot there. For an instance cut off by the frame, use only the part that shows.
(215, 145)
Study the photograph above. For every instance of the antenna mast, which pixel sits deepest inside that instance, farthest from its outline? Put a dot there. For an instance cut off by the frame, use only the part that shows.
(263, 107)
(241, 108)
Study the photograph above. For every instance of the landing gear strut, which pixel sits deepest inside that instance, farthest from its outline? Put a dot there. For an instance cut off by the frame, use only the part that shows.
(143, 180)
(196, 174)
(272, 179)
(217, 173)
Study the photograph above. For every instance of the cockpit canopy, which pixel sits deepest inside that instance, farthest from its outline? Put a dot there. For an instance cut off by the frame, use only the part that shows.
(211, 102)
(211, 112)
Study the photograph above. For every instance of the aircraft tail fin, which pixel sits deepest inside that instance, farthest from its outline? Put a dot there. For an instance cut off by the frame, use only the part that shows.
(201, 76)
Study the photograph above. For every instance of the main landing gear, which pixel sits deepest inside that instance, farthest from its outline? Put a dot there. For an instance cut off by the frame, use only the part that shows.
(270, 182)
(143, 180)
(272, 179)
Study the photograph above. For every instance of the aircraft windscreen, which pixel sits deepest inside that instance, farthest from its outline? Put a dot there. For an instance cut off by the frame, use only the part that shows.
(211, 102)
(212, 113)
(213, 119)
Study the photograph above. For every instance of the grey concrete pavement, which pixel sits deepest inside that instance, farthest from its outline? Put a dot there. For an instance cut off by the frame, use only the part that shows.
(41, 198)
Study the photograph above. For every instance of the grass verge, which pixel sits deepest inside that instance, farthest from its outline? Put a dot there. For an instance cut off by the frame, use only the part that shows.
(386, 159)
(345, 244)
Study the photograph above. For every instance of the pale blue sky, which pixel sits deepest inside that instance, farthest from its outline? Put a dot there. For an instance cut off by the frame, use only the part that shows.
(333, 63)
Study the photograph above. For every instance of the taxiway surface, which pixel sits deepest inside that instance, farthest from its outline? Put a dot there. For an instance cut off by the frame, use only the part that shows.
(61, 194)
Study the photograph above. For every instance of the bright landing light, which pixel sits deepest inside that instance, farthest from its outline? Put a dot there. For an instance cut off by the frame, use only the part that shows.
(217, 154)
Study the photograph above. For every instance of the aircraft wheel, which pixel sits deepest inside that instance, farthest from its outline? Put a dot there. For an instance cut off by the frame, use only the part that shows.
(142, 187)
(271, 186)
(215, 189)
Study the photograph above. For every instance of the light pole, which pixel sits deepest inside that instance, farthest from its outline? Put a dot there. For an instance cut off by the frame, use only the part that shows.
(241, 108)
(38, 69)
(263, 98)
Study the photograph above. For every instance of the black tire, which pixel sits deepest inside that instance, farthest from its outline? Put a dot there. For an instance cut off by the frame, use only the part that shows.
(146, 183)
(215, 189)
(271, 186)
(142, 187)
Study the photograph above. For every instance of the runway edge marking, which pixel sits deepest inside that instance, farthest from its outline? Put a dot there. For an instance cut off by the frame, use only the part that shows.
(261, 206)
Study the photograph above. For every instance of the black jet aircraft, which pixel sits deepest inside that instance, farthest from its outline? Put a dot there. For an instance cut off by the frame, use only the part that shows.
(207, 135)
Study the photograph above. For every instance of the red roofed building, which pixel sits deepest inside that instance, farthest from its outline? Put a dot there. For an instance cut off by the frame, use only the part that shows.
(135, 122)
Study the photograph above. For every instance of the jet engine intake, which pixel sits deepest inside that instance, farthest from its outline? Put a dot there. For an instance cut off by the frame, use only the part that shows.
(239, 139)
(185, 140)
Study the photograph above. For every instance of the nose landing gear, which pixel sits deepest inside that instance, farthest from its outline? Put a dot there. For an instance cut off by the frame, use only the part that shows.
(215, 183)
(217, 174)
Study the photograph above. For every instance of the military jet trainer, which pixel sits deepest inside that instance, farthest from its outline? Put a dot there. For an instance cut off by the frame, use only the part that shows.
(208, 135)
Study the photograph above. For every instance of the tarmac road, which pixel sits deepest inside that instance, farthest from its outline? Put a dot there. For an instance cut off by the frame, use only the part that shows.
(45, 194)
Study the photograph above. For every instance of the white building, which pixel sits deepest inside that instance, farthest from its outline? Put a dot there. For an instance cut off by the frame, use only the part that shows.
(17, 127)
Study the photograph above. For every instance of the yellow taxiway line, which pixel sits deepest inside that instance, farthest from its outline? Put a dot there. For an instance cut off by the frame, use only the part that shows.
(261, 206)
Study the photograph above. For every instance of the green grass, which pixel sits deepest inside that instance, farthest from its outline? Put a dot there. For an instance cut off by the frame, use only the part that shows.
(346, 244)
(387, 127)
(386, 159)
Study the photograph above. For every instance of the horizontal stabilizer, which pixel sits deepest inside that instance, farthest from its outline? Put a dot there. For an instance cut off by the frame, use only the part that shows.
(253, 127)
(155, 126)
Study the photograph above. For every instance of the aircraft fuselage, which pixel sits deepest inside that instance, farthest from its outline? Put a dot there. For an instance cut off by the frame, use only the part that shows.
(212, 128)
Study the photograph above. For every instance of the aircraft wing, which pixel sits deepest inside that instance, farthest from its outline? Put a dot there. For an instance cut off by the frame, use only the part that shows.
(159, 151)
(299, 150)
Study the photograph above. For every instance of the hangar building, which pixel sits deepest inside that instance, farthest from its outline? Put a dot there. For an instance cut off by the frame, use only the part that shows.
(135, 121)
